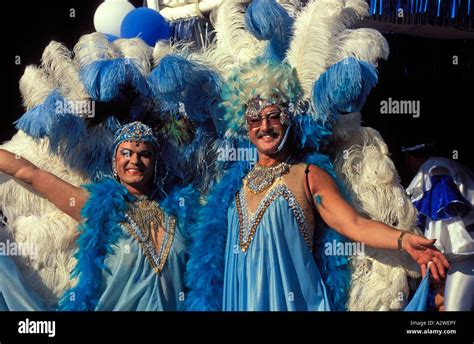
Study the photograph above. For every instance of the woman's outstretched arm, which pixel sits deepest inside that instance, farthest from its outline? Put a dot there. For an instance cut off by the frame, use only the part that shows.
(68, 198)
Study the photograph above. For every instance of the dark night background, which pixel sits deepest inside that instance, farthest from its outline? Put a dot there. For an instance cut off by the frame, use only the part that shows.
(418, 68)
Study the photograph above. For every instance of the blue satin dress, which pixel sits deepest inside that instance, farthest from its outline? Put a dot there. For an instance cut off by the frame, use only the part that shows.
(131, 281)
(15, 295)
(276, 271)
(134, 283)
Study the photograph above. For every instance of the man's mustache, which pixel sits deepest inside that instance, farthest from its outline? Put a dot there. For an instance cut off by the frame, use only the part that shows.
(270, 133)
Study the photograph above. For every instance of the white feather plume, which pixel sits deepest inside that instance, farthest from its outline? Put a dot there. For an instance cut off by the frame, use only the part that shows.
(364, 44)
(361, 7)
(291, 7)
(94, 47)
(20, 196)
(35, 86)
(314, 31)
(363, 162)
(163, 48)
(379, 278)
(33, 220)
(137, 51)
(377, 286)
(233, 43)
(57, 62)
(48, 259)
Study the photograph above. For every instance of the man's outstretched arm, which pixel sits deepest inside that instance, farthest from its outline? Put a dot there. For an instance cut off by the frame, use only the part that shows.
(338, 214)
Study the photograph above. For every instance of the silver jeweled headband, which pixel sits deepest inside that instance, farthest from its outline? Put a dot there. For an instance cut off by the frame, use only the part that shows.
(256, 105)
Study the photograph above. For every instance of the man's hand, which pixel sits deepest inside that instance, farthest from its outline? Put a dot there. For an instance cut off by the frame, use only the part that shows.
(422, 251)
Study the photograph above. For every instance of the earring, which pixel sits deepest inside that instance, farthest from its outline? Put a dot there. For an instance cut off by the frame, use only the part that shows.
(284, 120)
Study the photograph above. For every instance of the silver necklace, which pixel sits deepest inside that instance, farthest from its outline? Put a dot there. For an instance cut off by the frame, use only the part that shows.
(262, 177)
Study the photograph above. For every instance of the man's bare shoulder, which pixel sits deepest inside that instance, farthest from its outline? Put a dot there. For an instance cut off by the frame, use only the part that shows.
(318, 171)
(319, 179)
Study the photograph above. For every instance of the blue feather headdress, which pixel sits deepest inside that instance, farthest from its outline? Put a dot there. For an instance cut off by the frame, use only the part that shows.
(76, 100)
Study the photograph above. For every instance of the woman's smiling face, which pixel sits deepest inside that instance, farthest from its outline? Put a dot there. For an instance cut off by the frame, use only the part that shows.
(135, 162)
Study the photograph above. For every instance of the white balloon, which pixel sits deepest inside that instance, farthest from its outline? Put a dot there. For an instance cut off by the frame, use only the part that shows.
(109, 16)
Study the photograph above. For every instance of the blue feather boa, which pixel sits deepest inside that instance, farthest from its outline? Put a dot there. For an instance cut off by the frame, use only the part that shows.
(103, 212)
(183, 203)
(205, 268)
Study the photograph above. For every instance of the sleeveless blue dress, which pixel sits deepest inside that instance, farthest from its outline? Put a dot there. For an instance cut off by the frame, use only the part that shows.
(277, 270)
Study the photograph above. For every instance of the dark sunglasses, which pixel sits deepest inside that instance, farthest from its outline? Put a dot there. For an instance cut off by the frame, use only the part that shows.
(274, 118)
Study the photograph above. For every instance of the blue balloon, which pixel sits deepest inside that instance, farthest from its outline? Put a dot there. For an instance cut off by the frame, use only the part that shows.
(146, 24)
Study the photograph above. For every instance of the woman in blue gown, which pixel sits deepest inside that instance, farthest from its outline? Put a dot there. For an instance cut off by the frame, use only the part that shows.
(131, 252)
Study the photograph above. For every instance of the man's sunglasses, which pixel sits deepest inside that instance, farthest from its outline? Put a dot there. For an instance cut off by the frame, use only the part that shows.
(274, 118)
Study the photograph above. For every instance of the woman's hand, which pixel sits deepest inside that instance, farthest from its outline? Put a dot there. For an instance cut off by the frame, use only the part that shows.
(422, 251)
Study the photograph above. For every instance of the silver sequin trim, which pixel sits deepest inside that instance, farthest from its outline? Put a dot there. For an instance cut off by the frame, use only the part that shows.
(157, 260)
(272, 195)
